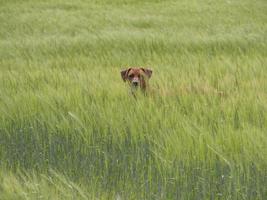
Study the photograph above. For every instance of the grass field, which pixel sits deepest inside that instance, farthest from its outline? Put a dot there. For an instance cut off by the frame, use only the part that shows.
(70, 130)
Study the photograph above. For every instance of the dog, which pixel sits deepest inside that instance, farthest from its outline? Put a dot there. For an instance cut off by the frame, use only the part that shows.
(137, 77)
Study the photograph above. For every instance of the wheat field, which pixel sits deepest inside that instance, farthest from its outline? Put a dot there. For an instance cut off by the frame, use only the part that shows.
(70, 130)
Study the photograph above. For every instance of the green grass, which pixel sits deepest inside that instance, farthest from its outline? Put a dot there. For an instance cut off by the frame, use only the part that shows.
(70, 130)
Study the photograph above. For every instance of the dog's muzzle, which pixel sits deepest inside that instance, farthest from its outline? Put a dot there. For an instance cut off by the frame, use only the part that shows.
(135, 82)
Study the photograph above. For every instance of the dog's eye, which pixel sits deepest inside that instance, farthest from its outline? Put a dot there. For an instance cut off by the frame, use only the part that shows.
(131, 75)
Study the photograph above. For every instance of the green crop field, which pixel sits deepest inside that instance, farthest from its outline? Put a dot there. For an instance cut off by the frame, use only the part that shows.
(69, 128)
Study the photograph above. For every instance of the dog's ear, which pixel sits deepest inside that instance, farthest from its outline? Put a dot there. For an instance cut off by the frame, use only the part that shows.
(148, 72)
(124, 74)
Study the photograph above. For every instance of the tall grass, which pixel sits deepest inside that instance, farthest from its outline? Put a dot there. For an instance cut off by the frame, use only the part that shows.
(70, 130)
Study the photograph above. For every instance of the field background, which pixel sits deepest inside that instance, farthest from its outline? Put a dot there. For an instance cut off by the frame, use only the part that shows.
(70, 130)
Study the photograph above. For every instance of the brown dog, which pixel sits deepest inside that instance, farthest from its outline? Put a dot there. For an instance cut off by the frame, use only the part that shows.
(137, 77)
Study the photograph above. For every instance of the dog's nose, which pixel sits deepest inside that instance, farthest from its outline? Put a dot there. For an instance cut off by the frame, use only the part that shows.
(135, 83)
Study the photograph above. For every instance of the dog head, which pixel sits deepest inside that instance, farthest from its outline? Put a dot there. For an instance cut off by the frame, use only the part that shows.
(137, 77)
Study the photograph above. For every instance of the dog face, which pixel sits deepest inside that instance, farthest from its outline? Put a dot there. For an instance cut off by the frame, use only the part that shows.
(137, 77)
